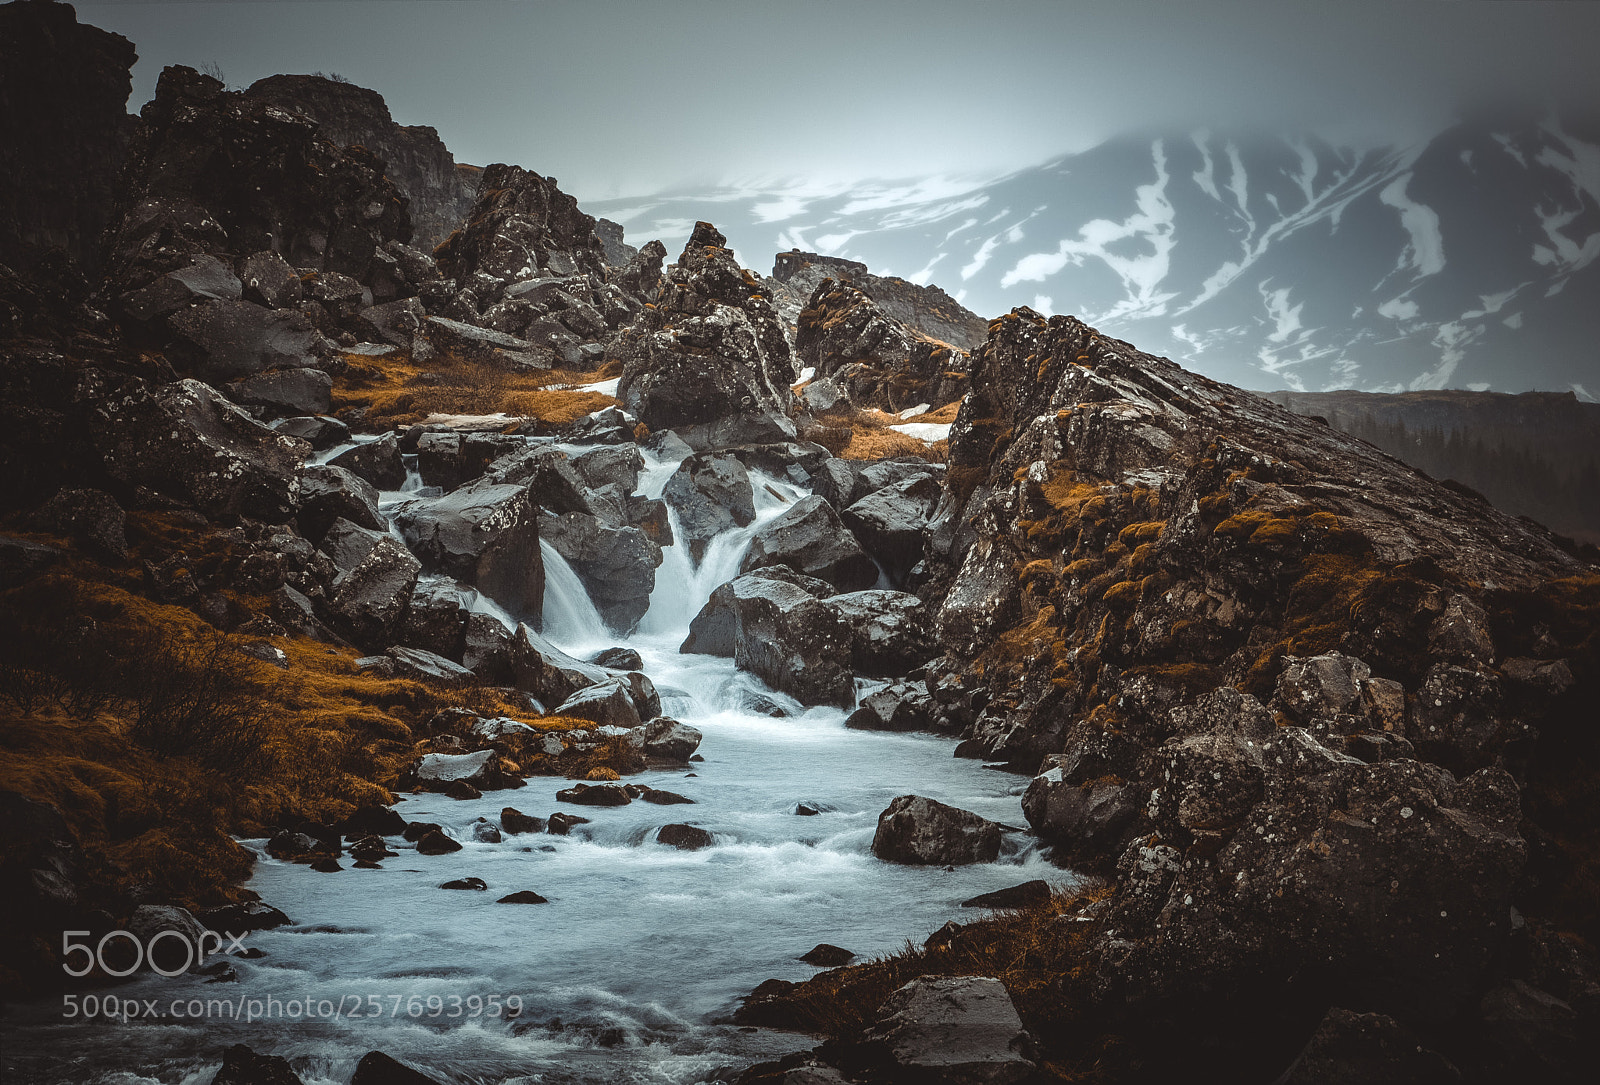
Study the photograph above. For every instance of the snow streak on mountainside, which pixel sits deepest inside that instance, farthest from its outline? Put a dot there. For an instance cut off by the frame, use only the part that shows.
(1467, 260)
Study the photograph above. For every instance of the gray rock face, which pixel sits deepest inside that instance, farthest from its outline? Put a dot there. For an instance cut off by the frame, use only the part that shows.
(202, 277)
(376, 461)
(549, 673)
(481, 769)
(810, 538)
(617, 564)
(710, 494)
(235, 338)
(329, 493)
(184, 440)
(486, 534)
(891, 522)
(369, 599)
(447, 460)
(954, 1030)
(919, 830)
(549, 476)
(890, 631)
(486, 345)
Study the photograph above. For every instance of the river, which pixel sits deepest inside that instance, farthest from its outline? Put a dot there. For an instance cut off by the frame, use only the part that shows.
(630, 971)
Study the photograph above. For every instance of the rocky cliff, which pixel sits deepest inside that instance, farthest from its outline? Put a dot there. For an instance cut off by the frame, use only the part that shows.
(416, 160)
(1319, 720)
(64, 129)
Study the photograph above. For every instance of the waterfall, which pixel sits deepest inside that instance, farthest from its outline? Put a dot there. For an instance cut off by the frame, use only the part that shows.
(571, 621)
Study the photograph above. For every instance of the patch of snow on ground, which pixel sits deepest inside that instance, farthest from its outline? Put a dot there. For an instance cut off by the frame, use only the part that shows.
(924, 431)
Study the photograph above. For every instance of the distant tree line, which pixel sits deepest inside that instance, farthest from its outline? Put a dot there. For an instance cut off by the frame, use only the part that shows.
(1564, 495)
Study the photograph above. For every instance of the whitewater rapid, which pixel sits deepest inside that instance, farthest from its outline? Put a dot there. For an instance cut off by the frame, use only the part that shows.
(629, 972)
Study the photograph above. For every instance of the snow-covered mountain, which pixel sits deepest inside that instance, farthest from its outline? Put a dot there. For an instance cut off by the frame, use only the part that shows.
(1468, 260)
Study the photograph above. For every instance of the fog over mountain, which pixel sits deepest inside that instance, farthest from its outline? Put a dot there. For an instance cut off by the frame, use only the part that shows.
(1462, 260)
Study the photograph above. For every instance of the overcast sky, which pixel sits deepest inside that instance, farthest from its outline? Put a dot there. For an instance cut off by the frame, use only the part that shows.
(617, 98)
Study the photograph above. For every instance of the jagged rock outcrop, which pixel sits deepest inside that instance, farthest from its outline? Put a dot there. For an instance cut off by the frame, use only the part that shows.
(216, 171)
(64, 129)
(927, 310)
(415, 159)
(1265, 674)
(709, 359)
(871, 358)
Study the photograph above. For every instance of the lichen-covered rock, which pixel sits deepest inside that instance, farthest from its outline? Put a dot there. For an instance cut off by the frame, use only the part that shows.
(891, 522)
(709, 359)
(285, 391)
(777, 628)
(329, 493)
(369, 599)
(186, 441)
(666, 739)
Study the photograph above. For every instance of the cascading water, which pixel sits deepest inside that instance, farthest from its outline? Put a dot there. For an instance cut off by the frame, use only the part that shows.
(642, 949)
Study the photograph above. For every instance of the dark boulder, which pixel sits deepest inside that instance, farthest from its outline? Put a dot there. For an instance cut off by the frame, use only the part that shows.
(524, 896)
(953, 1030)
(1016, 896)
(892, 521)
(92, 517)
(329, 493)
(899, 706)
(285, 391)
(369, 599)
(269, 281)
(918, 830)
(609, 704)
(376, 1068)
(595, 795)
(486, 534)
(824, 955)
(346, 544)
(810, 538)
(242, 1066)
(710, 494)
(376, 461)
(237, 338)
(616, 564)
(321, 433)
(515, 822)
(891, 632)
(186, 441)
(684, 837)
(665, 739)
(428, 667)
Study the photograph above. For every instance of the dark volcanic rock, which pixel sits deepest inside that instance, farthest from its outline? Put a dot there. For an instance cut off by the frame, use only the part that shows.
(824, 955)
(684, 837)
(93, 517)
(918, 830)
(217, 171)
(415, 159)
(781, 632)
(1016, 896)
(811, 539)
(376, 1068)
(710, 494)
(486, 534)
(617, 564)
(233, 338)
(329, 493)
(187, 442)
(891, 523)
(951, 1030)
(710, 359)
(376, 461)
(370, 598)
(64, 128)
(285, 391)
(242, 1066)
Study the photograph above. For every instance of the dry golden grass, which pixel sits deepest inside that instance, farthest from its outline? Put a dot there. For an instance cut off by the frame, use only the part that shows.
(866, 435)
(396, 391)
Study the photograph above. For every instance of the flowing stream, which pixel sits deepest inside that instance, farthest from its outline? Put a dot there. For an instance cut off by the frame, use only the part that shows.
(629, 972)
